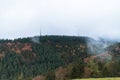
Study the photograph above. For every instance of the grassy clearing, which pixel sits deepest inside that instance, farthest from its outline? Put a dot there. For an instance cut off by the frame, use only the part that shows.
(99, 79)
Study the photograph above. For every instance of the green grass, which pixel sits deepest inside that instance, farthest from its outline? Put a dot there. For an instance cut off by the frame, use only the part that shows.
(99, 79)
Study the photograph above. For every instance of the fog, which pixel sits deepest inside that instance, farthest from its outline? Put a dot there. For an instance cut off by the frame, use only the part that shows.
(92, 18)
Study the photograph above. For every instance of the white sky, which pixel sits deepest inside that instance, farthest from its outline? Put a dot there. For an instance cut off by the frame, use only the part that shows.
(94, 18)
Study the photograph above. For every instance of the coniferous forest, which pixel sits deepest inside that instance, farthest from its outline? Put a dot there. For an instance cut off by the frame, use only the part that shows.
(57, 58)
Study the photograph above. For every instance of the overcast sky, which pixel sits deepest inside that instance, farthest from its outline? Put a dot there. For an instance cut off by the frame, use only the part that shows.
(93, 18)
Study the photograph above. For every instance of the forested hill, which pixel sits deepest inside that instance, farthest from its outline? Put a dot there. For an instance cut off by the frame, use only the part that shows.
(26, 58)
(58, 58)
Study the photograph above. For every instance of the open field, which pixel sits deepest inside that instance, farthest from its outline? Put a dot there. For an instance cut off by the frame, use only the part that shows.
(99, 79)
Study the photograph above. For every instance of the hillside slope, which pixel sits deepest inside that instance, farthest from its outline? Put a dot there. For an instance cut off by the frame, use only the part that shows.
(28, 57)
(58, 58)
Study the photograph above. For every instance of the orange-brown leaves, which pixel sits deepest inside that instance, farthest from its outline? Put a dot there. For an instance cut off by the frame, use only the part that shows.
(27, 47)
